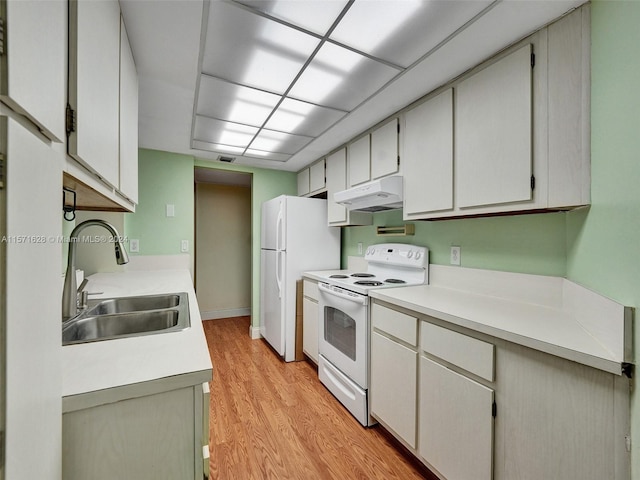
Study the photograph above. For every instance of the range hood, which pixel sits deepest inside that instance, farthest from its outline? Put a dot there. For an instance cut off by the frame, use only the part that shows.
(377, 195)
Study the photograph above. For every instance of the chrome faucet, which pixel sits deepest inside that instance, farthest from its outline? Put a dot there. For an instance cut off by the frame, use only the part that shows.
(70, 292)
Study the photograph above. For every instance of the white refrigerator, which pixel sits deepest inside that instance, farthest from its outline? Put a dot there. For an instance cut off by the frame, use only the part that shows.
(295, 238)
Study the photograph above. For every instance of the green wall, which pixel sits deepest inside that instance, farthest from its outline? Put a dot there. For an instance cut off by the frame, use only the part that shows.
(602, 249)
(168, 178)
(164, 179)
(523, 243)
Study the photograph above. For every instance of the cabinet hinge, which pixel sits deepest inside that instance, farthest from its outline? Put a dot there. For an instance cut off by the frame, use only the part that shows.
(71, 119)
(533, 182)
(494, 409)
(1, 36)
(1, 179)
(533, 60)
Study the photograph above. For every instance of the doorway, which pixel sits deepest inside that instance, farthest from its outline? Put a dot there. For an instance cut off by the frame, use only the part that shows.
(223, 243)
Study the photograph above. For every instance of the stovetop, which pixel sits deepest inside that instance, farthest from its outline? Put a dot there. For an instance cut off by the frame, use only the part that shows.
(388, 265)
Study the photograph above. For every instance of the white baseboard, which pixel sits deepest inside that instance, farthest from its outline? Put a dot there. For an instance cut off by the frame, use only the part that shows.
(254, 332)
(229, 313)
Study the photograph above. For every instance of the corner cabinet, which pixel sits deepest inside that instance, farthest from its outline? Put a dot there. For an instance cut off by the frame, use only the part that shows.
(469, 405)
(510, 136)
(102, 112)
(336, 171)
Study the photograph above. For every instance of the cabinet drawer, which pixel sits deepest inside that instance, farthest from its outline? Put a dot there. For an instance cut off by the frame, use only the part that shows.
(400, 325)
(469, 353)
(310, 289)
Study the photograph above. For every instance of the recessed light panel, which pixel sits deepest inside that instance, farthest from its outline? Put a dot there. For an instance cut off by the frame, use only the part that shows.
(303, 118)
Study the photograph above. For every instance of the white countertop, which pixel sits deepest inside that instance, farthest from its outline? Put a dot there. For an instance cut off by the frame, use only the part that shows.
(102, 372)
(549, 314)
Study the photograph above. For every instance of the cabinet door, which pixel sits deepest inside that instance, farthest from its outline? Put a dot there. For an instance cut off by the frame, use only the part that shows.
(456, 423)
(310, 328)
(428, 156)
(303, 182)
(128, 119)
(33, 66)
(94, 66)
(316, 176)
(360, 161)
(493, 159)
(336, 181)
(384, 150)
(393, 386)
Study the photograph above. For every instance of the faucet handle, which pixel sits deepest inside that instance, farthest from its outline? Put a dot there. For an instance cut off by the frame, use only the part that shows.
(82, 285)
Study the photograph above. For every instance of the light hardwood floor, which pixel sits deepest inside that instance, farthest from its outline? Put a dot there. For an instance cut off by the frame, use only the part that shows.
(275, 420)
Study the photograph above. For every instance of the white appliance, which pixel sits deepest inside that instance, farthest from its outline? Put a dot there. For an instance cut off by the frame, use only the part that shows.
(343, 365)
(381, 194)
(295, 238)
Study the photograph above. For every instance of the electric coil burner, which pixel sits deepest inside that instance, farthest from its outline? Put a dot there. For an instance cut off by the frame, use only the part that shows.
(343, 340)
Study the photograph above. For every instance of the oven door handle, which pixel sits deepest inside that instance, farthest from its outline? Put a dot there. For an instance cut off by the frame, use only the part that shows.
(361, 299)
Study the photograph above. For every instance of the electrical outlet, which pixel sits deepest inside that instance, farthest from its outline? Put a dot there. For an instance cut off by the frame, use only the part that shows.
(171, 210)
(359, 248)
(184, 246)
(134, 245)
(455, 255)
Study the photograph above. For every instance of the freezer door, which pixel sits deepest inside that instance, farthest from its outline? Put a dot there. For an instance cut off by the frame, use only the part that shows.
(272, 237)
(271, 299)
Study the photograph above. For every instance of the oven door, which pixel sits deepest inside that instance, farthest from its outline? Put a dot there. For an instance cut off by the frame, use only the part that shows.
(343, 331)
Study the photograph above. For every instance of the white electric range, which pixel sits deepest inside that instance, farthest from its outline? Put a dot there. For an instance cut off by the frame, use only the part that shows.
(343, 365)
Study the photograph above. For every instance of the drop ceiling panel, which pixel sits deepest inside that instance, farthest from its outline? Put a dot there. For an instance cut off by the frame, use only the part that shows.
(215, 147)
(248, 49)
(340, 78)
(303, 118)
(236, 103)
(263, 155)
(272, 141)
(226, 133)
(313, 15)
(404, 31)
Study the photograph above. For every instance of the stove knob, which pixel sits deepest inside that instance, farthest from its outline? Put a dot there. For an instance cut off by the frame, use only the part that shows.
(418, 255)
(410, 254)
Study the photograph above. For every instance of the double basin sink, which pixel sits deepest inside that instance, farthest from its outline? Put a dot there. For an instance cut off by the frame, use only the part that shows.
(111, 318)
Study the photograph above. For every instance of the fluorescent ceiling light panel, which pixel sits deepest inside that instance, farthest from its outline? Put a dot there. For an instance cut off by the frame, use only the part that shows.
(215, 147)
(313, 15)
(281, 142)
(226, 133)
(279, 157)
(264, 53)
(303, 118)
(235, 103)
(340, 78)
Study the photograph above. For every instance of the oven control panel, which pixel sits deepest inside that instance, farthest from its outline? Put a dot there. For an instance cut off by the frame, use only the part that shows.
(398, 254)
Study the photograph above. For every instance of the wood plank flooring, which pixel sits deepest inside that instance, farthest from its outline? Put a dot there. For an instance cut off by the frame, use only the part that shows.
(275, 420)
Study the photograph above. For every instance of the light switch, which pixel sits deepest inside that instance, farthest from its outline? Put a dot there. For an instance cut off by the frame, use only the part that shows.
(184, 246)
(134, 245)
(171, 210)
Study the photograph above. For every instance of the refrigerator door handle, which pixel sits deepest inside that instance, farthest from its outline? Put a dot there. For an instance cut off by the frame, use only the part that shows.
(278, 268)
(279, 233)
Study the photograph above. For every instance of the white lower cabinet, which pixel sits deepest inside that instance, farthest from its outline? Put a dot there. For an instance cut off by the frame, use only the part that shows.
(164, 435)
(475, 407)
(310, 326)
(456, 423)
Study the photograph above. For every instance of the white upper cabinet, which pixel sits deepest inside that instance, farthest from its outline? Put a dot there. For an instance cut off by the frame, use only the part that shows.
(384, 150)
(317, 179)
(303, 182)
(520, 132)
(428, 156)
(336, 171)
(359, 161)
(33, 69)
(94, 79)
(128, 119)
(493, 133)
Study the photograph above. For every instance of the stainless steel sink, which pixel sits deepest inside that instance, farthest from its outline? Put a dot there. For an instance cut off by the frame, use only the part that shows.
(113, 318)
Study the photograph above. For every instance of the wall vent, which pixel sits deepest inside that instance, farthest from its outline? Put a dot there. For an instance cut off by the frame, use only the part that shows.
(224, 158)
